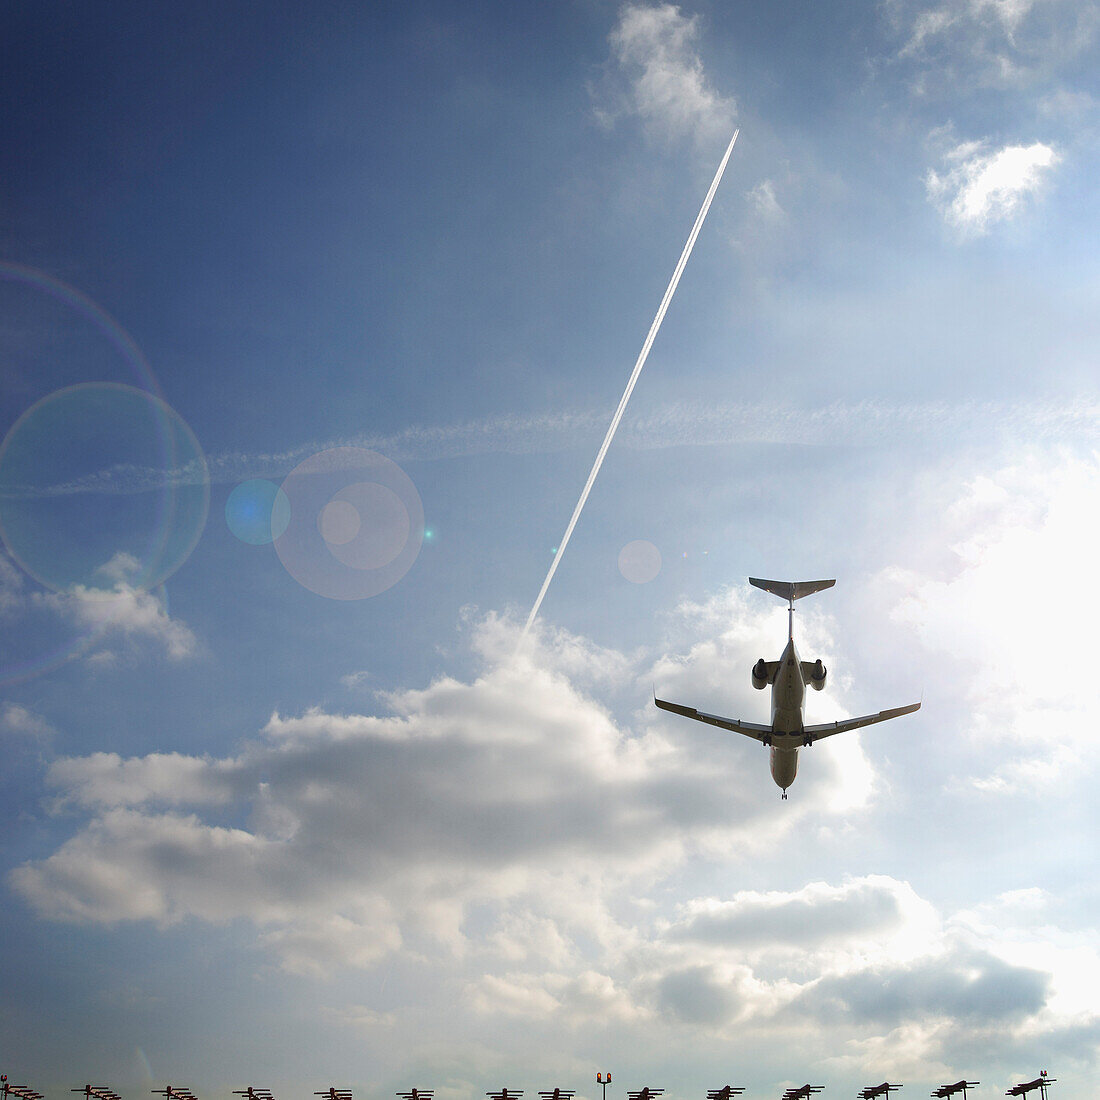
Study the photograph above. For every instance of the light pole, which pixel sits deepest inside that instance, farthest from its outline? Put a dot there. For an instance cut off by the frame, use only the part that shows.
(603, 1079)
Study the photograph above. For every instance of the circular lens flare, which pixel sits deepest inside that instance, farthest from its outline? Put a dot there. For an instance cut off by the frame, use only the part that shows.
(101, 482)
(356, 524)
(639, 561)
(257, 512)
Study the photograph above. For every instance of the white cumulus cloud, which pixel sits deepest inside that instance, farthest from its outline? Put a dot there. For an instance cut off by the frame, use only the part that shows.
(122, 610)
(980, 186)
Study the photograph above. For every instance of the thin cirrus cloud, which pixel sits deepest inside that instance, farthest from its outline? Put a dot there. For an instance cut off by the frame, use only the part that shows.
(979, 186)
(1006, 44)
(678, 423)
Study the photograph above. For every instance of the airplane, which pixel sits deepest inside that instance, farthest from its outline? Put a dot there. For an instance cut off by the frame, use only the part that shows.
(788, 678)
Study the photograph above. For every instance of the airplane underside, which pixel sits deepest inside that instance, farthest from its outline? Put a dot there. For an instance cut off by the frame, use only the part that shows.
(784, 765)
(788, 677)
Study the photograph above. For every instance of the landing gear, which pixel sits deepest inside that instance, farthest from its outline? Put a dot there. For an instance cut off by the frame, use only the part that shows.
(784, 794)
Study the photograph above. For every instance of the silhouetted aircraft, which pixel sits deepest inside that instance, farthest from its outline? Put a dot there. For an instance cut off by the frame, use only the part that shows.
(788, 678)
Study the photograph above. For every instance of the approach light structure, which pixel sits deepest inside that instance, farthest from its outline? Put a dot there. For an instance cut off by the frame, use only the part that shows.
(173, 1092)
(98, 1092)
(335, 1094)
(1041, 1082)
(254, 1094)
(803, 1093)
(725, 1092)
(871, 1091)
(416, 1094)
(644, 1094)
(21, 1091)
(558, 1094)
(505, 1094)
(958, 1086)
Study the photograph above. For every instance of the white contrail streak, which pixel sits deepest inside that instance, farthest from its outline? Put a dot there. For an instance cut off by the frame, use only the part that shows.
(642, 356)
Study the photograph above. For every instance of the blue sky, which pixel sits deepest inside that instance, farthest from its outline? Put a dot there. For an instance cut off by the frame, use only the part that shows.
(258, 834)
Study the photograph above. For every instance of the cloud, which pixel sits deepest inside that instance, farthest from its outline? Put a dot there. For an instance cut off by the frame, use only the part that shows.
(861, 423)
(817, 916)
(989, 43)
(982, 187)
(694, 995)
(12, 592)
(1012, 612)
(384, 827)
(968, 986)
(121, 610)
(22, 722)
(527, 847)
(654, 51)
(764, 203)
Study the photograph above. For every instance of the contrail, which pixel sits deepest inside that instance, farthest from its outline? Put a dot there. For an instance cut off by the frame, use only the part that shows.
(642, 356)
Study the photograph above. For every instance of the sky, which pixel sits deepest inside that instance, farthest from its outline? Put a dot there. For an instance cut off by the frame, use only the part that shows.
(312, 320)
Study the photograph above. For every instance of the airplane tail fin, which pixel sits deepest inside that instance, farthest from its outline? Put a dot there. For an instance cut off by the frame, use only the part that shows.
(790, 590)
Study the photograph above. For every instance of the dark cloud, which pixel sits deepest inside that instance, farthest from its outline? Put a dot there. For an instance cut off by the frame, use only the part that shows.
(694, 995)
(811, 917)
(971, 987)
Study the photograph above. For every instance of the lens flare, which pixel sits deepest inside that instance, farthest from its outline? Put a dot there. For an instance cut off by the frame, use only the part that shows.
(639, 561)
(356, 524)
(257, 512)
(99, 474)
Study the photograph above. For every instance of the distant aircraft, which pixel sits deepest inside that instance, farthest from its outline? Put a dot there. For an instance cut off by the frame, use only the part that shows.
(788, 677)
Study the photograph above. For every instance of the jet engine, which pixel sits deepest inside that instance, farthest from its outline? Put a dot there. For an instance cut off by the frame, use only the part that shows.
(817, 675)
(760, 675)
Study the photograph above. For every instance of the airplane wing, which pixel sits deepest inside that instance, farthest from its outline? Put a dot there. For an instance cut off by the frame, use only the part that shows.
(827, 729)
(735, 725)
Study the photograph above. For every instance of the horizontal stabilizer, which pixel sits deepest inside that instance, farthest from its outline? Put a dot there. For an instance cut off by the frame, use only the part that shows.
(790, 590)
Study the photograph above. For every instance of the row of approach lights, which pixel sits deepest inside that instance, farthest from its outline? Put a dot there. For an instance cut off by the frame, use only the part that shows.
(171, 1092)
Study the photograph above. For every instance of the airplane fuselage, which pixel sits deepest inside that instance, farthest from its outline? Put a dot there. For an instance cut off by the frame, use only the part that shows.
(788, 695)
